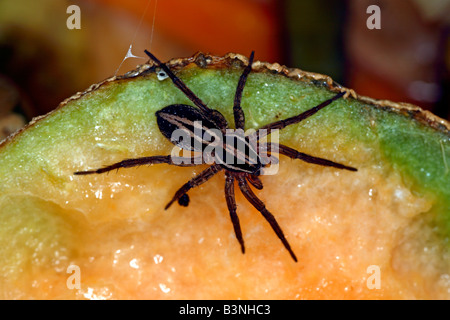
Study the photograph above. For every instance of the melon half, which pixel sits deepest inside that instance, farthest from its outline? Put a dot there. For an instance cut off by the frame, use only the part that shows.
(379, 233)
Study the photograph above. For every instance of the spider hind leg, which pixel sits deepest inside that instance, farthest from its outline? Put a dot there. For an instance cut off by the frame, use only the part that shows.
(128, 163)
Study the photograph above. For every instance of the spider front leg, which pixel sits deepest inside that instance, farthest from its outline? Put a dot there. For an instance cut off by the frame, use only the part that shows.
(204, 176)
(278, 125)
(128, 163)
(294, 154)
(259, 205)
(254, 181)
(231, 204)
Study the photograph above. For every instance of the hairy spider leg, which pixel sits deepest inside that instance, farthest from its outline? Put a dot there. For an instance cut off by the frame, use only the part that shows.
(215, 115)
(259, 205)
(201, 178)
(180, 84)
(294, 154)
(128, 163)
(278, 125)
(231, 204)
(254, 181)
(239, 117)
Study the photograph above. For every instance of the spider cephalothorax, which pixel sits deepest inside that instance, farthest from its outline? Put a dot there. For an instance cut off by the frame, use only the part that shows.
(243, 164)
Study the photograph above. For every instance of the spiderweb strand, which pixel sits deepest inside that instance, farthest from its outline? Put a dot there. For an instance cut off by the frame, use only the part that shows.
(129, 53)
(153, 24)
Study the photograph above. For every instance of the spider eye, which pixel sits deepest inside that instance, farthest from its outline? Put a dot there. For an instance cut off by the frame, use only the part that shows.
(184, 200)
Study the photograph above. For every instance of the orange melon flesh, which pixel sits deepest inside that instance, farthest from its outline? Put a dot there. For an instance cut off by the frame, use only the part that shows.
(378, 233)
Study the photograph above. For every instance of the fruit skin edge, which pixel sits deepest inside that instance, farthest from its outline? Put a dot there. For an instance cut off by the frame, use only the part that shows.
(431, 175)
(402, 162)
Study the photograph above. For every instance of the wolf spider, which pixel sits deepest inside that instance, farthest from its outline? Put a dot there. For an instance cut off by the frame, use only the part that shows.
(242, 169)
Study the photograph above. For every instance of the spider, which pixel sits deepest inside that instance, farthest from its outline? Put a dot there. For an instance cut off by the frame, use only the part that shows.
(195, 122)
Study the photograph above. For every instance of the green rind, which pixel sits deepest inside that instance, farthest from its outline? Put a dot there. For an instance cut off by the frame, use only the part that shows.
(105, 117)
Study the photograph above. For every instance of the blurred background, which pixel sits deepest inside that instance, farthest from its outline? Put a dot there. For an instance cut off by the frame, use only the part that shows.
(42, 61)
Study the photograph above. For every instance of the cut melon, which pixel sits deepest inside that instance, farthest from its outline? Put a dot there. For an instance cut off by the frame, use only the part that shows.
(379, 233)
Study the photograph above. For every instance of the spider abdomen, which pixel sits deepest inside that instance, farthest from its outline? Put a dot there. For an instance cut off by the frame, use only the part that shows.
(190, 129)
(187, 127)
